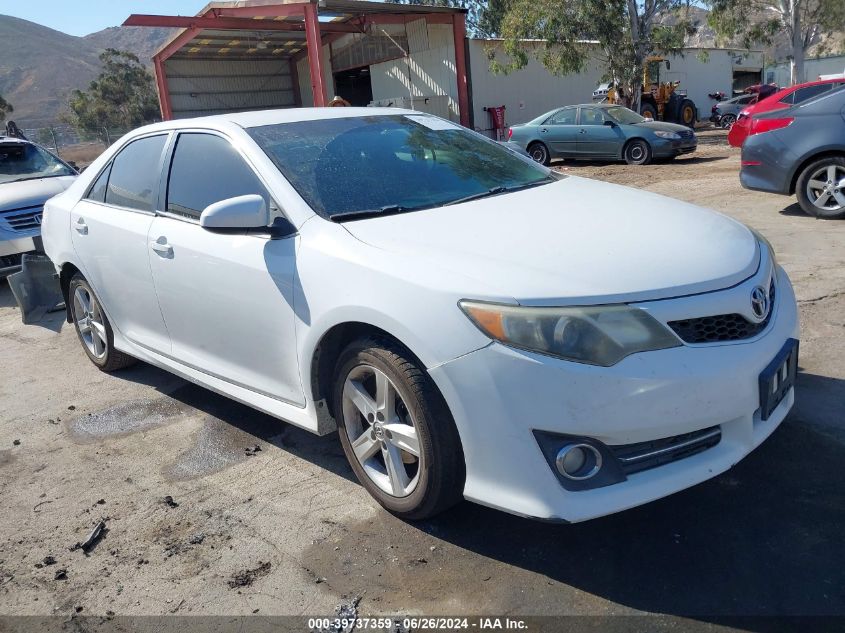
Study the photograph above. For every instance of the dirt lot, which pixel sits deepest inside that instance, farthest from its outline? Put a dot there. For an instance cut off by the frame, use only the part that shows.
(286, 530)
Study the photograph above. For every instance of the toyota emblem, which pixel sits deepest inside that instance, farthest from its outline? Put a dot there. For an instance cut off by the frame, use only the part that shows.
(760, 303)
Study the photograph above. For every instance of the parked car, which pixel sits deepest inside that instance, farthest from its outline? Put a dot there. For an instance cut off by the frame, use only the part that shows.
(784, 99)
(601, 132)
(475, 325)
(29, 175)
(801, 151)
(725, 112)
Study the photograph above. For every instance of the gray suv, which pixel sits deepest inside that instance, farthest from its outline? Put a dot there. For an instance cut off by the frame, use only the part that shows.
(29, 176)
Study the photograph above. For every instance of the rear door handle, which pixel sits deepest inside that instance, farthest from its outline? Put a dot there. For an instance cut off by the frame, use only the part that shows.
(162, 247)
(583, 131)
(81, 227)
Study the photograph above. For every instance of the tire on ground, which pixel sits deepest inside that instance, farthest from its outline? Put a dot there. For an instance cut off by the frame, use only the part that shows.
(441, 479)
(801, 188)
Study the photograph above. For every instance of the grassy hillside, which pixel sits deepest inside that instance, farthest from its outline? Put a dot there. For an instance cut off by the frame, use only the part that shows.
(39, 66)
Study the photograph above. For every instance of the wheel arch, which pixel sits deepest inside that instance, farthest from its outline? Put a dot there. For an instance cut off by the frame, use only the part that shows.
(323, 359)
(66, 273)
(805, 162)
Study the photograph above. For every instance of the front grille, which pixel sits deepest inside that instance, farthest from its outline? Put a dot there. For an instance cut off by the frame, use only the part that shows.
(686, 134)
(21, 220)
(644, 455)
(722, 327)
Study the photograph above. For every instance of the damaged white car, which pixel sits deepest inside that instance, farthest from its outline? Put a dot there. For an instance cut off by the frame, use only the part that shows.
(475, 325)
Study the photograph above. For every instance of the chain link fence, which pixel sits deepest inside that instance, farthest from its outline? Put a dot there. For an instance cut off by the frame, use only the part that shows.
(73, 145)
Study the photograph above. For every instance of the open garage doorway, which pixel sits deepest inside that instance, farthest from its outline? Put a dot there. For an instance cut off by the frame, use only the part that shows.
(354, 85)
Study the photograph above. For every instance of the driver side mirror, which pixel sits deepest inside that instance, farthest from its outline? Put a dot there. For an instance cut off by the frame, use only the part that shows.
(242, 212)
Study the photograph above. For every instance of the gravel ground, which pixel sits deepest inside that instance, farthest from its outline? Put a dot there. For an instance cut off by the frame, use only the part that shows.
(199, 521)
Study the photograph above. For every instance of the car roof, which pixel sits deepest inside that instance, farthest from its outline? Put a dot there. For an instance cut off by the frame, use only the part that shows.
(258, 118)
(780, 94)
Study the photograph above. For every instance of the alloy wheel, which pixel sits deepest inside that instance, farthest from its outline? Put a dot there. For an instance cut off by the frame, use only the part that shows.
(89, 320)
(381, 430)
(826, 188)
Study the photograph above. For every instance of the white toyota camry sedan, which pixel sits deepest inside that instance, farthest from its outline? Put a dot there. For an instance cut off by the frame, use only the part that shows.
(474, 325)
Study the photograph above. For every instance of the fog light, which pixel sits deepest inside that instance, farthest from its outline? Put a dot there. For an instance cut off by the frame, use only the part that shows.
(578, 461)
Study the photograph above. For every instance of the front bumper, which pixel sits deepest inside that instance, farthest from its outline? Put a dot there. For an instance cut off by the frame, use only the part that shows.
(499, 396)
(11, 251)
(666, 148)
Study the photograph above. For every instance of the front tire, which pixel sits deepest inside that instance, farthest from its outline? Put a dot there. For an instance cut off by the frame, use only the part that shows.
(93, 327)
(687, 113)
(727, 121)
(821, 188)
(637, 152)
(540, 153)
(396, 430)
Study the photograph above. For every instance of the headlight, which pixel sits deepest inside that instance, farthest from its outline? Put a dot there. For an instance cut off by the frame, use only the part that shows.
(671, 135)
(598, 335)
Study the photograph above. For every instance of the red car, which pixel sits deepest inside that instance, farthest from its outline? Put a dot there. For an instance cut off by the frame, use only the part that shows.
(783, 99)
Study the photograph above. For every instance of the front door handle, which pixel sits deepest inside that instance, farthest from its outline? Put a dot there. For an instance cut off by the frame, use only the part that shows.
(162, 247)
(543, 130)
(583, 131)
(81, 227)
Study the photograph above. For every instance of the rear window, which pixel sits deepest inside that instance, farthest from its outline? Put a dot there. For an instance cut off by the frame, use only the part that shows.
(133, 181)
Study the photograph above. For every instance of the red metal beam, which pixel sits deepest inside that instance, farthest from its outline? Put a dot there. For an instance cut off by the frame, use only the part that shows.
(315, 55)
(236, 24)
(163, 91)
(269, 10)
(459, 33)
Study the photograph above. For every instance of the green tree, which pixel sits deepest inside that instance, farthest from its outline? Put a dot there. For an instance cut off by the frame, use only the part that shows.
(123, 96)
(5, 108)
(569, 34)
(804, 22)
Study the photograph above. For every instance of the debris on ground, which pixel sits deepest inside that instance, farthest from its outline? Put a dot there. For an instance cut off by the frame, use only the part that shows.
(347, 612)
(168, 501)
(197, 538)
(93, 538)
(248, 576)
(16, 442)
(72, 407)
(250, 451)
(100, 502)
(49, 560)
(61, 574)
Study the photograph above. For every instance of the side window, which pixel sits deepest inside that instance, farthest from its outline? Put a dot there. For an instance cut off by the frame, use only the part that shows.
(564, 117)
(133, 181)
(97, 192)
(803, 94)
(207, 169)
(744, 100)
(788, 99)
(591, 116)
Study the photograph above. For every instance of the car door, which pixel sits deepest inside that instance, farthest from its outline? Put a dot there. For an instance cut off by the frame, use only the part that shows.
(559, 132)
(226, 296)
(109, 228)
(595, 138)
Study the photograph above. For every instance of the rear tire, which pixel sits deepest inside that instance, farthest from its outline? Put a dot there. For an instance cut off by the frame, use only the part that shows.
(405, 450)
(93, 327)
(727, 121)
(637, 152)
(820, 188)
(539, 152)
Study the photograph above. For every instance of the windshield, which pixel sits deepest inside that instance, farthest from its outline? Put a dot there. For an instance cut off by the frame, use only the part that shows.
(624, 115)
(25, 161)
(391, 164)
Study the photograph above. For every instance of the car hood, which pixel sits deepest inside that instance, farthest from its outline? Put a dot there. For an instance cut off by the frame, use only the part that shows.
(30, 193)
(574, 241)
(663, 126)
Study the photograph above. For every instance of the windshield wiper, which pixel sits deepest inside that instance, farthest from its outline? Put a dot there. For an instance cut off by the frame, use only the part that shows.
(359, 214)
(34, 178)
(499, 190)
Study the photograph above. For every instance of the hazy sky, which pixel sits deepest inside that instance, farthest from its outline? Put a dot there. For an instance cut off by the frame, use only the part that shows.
(81, 17)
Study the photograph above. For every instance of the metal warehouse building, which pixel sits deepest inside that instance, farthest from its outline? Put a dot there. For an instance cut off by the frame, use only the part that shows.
(257, 54)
